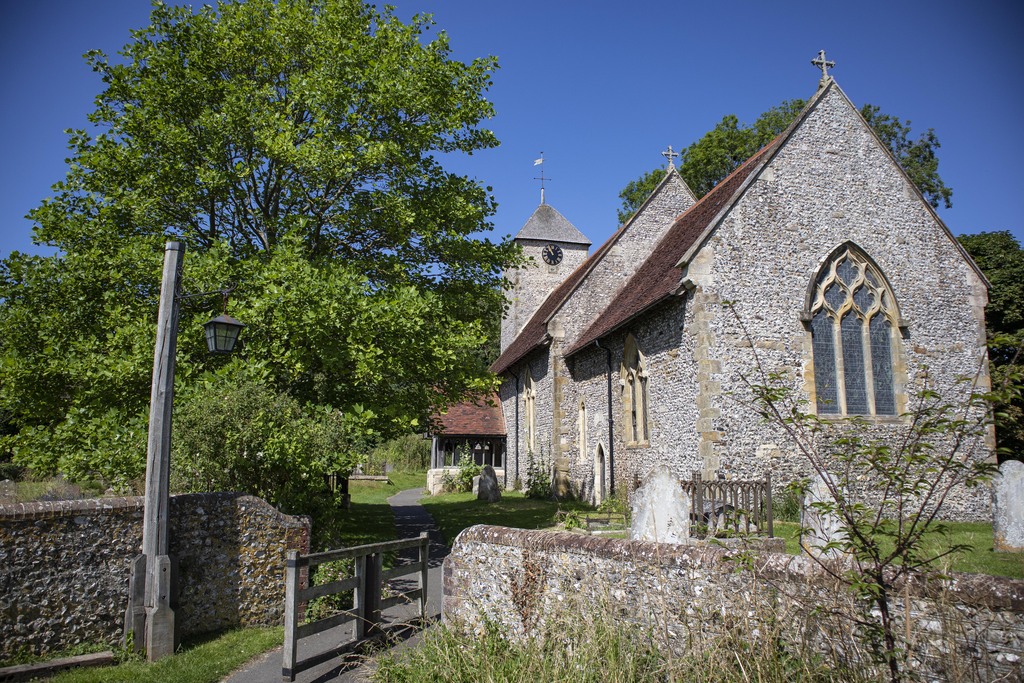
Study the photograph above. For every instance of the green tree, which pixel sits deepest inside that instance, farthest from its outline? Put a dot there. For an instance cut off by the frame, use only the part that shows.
(294, 147)
(1001, 258)
(722, 149)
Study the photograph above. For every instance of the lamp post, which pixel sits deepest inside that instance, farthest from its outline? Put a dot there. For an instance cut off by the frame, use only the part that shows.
(152, 583)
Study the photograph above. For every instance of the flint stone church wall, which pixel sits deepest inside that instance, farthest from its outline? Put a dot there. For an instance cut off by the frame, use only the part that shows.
(830, 183)
(690, 596)
(64, 566)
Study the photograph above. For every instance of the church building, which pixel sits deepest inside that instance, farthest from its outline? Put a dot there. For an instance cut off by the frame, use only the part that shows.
(817, 260)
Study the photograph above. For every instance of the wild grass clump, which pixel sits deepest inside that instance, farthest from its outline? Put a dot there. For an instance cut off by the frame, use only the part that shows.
(584, 643)
(586, 652)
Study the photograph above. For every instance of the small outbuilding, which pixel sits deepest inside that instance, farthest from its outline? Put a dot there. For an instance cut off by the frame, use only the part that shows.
(468, 432)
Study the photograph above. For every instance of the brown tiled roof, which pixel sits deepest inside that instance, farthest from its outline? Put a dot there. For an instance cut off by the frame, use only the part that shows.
(535, 333)
(482, 417)
(658, 277)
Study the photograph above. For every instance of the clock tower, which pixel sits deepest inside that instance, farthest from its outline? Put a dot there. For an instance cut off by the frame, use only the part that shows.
(554, 248)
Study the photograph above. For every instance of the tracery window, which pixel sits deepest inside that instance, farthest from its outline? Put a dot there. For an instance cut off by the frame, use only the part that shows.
(530, 400)
(634, 389)
(853, 318)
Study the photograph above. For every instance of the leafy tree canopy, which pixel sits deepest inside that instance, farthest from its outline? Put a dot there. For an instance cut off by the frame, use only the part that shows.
(294, 147)
(1001, 258)
(722, 149)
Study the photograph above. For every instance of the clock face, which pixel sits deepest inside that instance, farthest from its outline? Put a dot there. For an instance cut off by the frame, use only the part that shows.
(552, 254)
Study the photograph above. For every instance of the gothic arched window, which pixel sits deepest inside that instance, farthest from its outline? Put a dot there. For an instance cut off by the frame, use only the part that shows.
(853, 318)
(530, 399)
(634, 393)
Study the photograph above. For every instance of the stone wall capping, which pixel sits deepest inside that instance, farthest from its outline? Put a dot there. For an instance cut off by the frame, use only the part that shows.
(979, 590)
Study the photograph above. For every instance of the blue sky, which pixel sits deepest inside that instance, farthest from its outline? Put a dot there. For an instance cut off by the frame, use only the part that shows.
(602, 87)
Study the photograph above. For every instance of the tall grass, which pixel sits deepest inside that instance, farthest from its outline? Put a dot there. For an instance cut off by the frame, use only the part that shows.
(580, 643)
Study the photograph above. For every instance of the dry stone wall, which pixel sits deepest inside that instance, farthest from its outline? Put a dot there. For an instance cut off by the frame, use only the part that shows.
(64, 566)
(688, 596)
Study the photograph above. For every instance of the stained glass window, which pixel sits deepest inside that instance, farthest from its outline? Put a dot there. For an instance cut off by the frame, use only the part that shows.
(881, 366)
(852, 322)
(853, 365)
(824, 338)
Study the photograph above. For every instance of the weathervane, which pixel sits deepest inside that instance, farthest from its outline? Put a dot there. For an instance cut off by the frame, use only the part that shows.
(671, 156)
(824, 64)
(540, 162)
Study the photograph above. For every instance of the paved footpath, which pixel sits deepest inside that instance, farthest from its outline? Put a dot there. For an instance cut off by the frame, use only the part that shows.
(411, 518)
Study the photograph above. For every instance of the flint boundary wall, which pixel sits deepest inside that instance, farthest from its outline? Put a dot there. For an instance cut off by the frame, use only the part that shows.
(969, 627)
(64, 566)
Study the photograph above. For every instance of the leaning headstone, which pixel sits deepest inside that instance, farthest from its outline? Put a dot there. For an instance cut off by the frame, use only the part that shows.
(1008, 523)
(8, 492)
(485, 485)
(824, 527)
(661, 511)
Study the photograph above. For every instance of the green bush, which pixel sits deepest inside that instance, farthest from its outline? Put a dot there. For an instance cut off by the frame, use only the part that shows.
(240, 435)
(409, 453)
(462, 479)
(538, 477)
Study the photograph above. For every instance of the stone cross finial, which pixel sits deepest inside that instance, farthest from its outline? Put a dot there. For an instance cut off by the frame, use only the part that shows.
(825, 65)
(671, 156)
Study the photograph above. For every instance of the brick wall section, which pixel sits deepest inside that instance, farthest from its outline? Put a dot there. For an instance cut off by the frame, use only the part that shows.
(64, 566)
(515, 577)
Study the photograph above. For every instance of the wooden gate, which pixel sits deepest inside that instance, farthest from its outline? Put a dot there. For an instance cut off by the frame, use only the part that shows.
(366, 585)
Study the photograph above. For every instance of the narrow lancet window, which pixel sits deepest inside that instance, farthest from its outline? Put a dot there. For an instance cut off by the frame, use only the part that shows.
(634, 394)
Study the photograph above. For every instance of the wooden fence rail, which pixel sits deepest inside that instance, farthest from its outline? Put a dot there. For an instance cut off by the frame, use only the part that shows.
(725, 506)
(366, 586)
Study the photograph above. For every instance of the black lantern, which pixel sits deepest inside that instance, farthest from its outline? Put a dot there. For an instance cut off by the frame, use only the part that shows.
(222, 333)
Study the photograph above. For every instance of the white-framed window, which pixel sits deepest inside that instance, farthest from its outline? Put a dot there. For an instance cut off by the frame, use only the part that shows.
(854, 323)
(634, 394)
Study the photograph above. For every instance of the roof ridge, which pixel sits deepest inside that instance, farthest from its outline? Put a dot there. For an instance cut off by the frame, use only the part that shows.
(554, 301)
(595, 331)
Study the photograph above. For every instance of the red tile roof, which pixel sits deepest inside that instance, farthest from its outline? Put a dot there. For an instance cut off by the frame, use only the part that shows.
(535, 333)
(473, 418)
(658, 277)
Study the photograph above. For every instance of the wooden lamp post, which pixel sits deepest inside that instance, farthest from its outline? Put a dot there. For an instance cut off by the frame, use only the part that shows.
(152, 584)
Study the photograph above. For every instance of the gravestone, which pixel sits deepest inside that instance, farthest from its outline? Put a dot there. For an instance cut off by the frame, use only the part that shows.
(824, 527)
(661, 511)
(8, 492)
(1008, 499)
(485, 485)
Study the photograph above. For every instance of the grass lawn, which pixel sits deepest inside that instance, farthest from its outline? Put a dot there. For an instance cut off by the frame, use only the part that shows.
(981, 560)
(369, 519)
(205, 661)
(453, 512)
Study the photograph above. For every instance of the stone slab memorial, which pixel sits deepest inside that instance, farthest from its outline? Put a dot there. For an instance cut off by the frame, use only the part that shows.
(1008, 502)
(661, 511)
(485, 485)
(824, 527)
